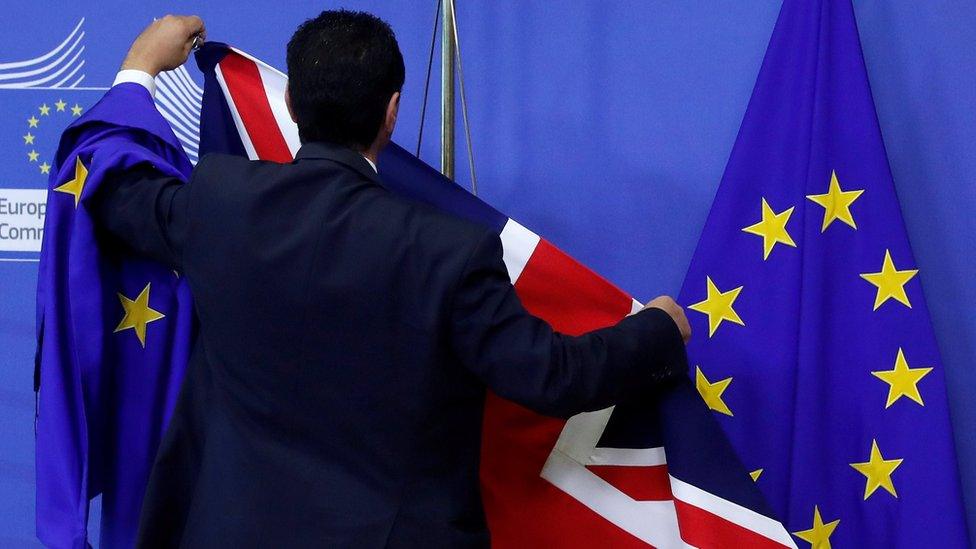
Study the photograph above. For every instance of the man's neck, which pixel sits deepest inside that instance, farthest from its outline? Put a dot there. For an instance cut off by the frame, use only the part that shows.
(371, 155)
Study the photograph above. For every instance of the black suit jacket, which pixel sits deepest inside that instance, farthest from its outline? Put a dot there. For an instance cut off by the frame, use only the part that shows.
(346, 338)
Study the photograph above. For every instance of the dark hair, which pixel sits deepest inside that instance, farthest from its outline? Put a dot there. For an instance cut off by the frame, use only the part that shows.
(343, 66)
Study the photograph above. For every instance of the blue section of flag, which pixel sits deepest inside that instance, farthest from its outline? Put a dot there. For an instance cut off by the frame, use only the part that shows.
(106, 391)
(218, 133)
(817, 378)
(406, 175)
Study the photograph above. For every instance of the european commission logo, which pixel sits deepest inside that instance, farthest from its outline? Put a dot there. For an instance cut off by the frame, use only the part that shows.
(39, 98)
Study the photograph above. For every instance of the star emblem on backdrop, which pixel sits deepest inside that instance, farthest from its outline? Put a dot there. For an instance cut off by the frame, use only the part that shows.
(33, 122)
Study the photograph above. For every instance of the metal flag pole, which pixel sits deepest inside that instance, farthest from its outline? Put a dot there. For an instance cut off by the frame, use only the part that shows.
(447, 89)
(464, 105)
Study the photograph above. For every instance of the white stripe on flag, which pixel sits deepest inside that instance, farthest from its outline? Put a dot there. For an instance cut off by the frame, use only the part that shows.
(731, 512)
(634, 457)
(241, 129)
(518, 244)
(654, 522)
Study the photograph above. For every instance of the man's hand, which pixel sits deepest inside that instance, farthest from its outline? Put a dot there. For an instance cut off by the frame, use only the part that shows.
(165, 44)
(677, 314)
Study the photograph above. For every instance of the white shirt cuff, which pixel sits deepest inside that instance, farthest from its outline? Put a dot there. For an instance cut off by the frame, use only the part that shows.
(136, 77)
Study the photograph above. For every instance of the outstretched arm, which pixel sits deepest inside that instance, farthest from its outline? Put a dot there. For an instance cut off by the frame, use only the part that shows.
(521, 358)
(141, 206)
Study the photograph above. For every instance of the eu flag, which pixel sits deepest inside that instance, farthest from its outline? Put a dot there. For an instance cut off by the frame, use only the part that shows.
(813, 342)
(113, 331)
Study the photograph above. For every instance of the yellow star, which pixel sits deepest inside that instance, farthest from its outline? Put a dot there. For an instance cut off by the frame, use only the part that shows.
(718, 306)
(756, 474)
(32, 121)
(711, 393)
(878, 471)
(60, 105)
(836, 203)
(819, 535)
(32, 156)
(890, 282)
(76, 185)
(45, 168)
(138, 314)
(45, 110)
(772, 228)
(29, 139)
(902, 380)
(76, 110)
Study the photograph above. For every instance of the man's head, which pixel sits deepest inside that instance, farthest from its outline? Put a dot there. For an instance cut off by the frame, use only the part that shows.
(345, 72)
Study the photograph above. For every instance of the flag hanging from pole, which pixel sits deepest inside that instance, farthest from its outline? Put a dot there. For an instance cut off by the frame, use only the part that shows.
(660, 473)
(814, 345)
(113, 332)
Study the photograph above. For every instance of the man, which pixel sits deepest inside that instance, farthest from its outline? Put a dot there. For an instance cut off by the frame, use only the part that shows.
(346, 336)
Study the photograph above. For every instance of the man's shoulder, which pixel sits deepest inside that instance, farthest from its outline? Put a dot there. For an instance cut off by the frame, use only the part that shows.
(436, 224)
(219, 172)
(220, 161)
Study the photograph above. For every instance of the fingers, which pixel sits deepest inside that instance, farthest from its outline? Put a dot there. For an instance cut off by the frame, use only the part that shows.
(683, 325)
(196, 30)
(165, 44)
(676, 312)
(195, 24)
(190, 26)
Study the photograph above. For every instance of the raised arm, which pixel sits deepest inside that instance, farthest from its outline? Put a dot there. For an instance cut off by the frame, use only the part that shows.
(522, 359)
(142, 207)
(147, 211)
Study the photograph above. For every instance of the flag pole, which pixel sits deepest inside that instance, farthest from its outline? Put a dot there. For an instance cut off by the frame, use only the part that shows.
(447, 89)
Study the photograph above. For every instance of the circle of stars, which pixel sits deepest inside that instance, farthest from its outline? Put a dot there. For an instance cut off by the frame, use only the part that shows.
(839, 203)
(44, 110)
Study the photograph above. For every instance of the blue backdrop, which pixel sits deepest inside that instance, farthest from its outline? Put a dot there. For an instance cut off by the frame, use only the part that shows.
(603, 125)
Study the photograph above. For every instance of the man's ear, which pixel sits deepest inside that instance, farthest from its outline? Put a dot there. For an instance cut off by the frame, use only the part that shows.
(392, 109)
(291, 113)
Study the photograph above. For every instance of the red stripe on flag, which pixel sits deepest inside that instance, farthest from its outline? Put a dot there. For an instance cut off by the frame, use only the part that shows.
(567, 295)
(642, 483)
(706, 530)
(523, 509)
(247, 90)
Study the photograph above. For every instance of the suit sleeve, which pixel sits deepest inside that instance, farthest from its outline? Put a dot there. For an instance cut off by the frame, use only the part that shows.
(147, 211)
(521, 358)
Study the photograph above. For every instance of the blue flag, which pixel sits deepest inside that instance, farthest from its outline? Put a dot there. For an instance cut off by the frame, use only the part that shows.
(813, 342)
(113, 332)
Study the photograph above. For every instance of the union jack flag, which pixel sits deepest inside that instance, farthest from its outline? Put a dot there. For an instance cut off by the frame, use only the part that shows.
(660, 473)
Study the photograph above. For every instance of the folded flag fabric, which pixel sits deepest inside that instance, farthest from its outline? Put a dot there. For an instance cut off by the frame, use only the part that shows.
(113, 332)
(660, 473)
(816, 352)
